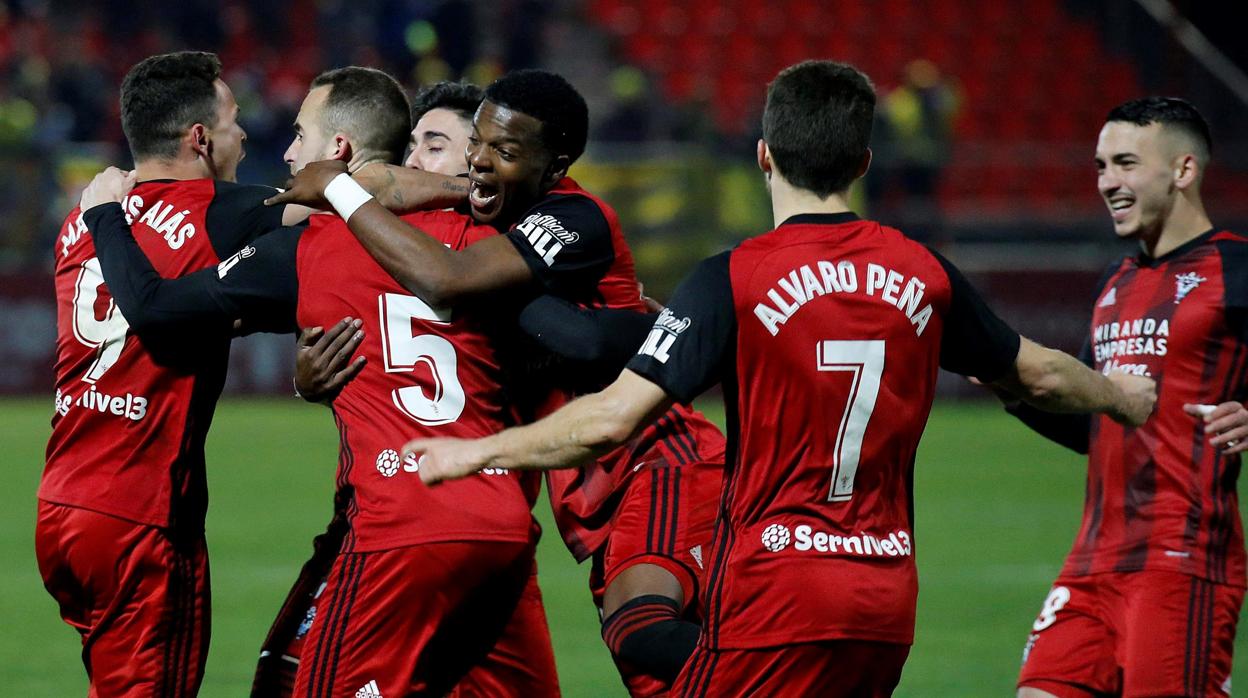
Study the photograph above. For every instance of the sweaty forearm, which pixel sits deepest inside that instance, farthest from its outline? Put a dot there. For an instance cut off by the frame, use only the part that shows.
(403, 189)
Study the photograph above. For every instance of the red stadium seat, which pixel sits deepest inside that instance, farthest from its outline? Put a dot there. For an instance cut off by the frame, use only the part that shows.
(1029, 72)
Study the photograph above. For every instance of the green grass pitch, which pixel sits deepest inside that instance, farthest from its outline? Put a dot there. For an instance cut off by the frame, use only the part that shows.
(996, 510)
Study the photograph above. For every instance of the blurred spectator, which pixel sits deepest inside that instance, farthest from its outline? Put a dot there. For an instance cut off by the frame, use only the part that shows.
(915, 142)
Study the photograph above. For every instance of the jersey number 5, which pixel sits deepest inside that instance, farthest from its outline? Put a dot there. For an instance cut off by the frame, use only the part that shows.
(107, 334)
(403, 351)
(865, 360)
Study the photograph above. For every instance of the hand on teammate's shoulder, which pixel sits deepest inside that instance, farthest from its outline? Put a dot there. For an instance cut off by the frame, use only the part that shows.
(110, 186)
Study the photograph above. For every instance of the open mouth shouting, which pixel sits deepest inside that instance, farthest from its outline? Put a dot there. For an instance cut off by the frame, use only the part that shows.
(484, 198)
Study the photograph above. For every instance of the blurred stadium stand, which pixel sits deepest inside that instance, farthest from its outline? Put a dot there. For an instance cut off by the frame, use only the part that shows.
(983, 148)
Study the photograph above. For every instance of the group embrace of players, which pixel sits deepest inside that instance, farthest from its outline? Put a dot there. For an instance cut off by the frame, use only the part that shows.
(449, 323)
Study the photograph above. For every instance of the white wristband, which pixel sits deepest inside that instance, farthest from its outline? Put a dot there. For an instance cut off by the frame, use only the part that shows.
(345, 195)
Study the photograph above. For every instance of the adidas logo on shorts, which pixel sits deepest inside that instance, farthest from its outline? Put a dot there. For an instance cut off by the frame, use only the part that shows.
(368, 690)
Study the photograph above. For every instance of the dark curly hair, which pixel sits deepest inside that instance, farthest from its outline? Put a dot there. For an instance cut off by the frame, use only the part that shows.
(162, 96)
(551, 100)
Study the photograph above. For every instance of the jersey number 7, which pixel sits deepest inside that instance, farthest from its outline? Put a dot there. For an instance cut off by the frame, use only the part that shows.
(865, 360)
(402, 351)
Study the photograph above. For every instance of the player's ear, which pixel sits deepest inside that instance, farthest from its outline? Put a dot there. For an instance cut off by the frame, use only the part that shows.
(866, 165)
(1186, 170)
(342, 148)
(201, 143)
(764, 156)
(556, 170)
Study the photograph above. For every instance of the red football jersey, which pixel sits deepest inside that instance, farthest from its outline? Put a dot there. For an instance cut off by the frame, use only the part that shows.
(575, 245)
(131, 417)
(1159, 496)
(827, 333)
(430, 373)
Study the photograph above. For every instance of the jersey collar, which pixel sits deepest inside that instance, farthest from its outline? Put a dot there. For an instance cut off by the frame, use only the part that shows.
(1146, 261)
(821, 218)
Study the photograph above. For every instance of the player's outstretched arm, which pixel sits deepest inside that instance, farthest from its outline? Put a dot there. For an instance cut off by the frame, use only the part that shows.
(575, 434)
(1056, 381)
(420, 263)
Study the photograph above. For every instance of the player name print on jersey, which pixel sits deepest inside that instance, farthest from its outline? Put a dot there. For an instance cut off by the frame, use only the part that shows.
(74, 230)
(547, 235)
(161, 219)
(802, 285)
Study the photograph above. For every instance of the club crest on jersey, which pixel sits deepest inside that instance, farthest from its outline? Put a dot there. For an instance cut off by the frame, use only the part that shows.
(547, 236)
(1185, 284)
(666, 328)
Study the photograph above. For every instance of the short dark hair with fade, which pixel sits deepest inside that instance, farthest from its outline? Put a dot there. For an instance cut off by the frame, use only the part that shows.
(1170, 112)
(369, 105)
(163, 96)
(463, 98)
(817, 124)
(550, 99)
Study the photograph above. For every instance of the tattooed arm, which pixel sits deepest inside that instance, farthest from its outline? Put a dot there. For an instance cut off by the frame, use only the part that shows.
(402, 189)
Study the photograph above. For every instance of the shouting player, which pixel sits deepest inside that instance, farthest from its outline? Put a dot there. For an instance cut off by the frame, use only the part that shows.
(120, 535)
(1149, 597)
(425, 582)
(565, 242)
(443, 117)
(827, 334)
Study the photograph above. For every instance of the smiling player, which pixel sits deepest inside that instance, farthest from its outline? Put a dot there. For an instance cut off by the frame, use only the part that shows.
(1149, 597)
